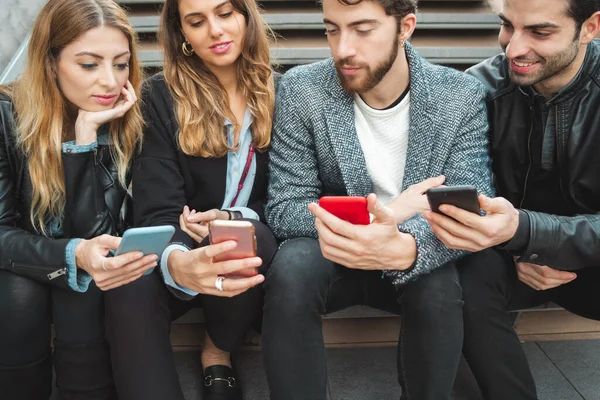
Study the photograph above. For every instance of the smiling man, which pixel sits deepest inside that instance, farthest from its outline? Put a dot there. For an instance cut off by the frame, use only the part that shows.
(541, 241)
(376, 118)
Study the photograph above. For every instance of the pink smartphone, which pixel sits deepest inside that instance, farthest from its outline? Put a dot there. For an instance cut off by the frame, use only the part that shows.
(240, 231)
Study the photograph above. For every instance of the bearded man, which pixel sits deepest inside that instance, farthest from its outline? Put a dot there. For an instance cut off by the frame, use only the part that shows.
(375, 120)
(540, 241)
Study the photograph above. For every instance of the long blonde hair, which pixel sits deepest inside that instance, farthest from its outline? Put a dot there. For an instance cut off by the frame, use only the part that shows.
(41, 109)
(201, 103)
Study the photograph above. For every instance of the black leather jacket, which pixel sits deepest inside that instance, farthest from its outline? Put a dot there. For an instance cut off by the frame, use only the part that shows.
(94, 200)
(570, 241)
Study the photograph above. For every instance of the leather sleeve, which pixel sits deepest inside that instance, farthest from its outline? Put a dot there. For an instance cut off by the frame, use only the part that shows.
(21, 252)
(564, 243)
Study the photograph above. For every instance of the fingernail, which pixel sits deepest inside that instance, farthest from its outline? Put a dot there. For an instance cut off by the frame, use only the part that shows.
(154, 257)
(139, 254)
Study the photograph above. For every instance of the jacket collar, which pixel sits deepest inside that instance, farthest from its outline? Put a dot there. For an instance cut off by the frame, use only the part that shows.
(344, 139)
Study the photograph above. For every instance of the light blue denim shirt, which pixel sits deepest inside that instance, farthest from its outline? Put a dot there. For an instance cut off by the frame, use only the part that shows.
(236, 161)
(78, 280)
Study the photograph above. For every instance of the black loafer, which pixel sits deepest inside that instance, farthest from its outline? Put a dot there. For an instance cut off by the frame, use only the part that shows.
(221, 383)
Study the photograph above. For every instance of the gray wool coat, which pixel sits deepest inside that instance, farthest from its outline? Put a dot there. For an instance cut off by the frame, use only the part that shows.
(316, 151)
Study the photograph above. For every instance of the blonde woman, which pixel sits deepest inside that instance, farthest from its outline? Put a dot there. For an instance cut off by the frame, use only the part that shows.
(204, 157)
(68, 129)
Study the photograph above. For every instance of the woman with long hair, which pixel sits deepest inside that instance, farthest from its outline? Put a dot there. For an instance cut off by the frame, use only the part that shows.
(68, 130)
(204, 157)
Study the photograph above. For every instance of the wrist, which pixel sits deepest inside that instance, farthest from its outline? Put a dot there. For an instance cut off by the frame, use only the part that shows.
(85, 133)
(79, 252)
(408, 247)
(173, 263)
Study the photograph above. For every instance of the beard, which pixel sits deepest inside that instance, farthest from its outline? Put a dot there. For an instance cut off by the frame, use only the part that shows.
(353, 84)
(551, 66)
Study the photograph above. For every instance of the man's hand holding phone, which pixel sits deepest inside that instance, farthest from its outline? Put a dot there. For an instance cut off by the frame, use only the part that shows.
(195, 270)
(464, 230)
(377, 246)
(111, 272)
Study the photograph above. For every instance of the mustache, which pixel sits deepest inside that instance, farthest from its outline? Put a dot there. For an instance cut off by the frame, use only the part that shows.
(347, 63)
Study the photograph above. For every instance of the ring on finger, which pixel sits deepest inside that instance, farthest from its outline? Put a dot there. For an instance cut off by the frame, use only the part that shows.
(219, 283)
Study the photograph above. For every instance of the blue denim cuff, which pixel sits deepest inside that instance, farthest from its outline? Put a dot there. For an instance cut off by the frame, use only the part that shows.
(78, 280)
(71, 147)
(246, 212)
(164, 268)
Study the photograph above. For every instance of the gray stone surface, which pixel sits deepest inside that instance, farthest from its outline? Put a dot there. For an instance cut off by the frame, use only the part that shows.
(550, 382)
(562, 370)
(579, 362)
(16, 20)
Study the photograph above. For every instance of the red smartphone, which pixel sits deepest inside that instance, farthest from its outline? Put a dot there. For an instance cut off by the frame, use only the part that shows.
(240, 231)
(349, 208)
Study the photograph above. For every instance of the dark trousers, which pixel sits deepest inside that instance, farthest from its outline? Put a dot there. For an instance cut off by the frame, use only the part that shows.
(492, 348)
(81, 357)
(301, 286)
(138, 319)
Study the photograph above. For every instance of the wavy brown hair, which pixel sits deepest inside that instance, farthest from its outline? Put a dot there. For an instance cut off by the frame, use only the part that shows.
(42, 111)
(201, 103)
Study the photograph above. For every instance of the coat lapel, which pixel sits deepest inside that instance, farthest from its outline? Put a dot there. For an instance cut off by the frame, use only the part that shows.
(339, 118)
(421, 127)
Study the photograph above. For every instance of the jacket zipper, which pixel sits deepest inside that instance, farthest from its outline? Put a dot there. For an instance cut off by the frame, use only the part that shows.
(95, 152)
(57, 273)
(529, 156)
(51, 276)
(558, 153)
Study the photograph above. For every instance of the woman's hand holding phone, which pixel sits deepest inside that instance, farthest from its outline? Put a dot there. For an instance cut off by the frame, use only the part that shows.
(111, 272)
(195, 270)
(195, 224)
(413, 200)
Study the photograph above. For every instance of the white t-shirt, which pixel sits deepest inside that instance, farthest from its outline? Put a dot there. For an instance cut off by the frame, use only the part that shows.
(383, 136)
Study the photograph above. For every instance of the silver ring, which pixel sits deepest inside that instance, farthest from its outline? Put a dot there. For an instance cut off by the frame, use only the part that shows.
(219, 283)
(103, 267)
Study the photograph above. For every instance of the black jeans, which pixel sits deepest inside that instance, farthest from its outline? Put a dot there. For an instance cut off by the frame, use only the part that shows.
(138, 320)
(81, 357)
(492, 348)
(301, 286)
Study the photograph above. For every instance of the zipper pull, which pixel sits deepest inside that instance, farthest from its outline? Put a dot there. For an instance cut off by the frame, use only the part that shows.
(57, 273)
(95, 151)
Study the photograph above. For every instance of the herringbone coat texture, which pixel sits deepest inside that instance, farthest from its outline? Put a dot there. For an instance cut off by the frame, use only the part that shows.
(316, 152)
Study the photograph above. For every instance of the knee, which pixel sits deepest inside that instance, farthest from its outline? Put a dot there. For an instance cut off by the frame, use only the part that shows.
(296, 276)
(25, 314)
(439, 291)
(481, 274)
(266, 245)
(132, 304)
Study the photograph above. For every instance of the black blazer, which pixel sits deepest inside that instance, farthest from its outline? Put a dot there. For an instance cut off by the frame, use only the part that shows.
(165, 179)
(94, 199)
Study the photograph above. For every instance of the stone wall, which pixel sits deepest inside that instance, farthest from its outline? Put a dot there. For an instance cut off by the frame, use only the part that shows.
(16, 20)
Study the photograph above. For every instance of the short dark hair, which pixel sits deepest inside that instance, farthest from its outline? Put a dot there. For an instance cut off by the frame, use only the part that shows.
(581, 10)
(395, 8)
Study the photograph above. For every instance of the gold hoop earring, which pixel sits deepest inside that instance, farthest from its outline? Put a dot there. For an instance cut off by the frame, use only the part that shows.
(402, 43)
(187, 52)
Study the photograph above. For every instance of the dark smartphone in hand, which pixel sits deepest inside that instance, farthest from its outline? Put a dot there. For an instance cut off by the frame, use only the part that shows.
(464, 197)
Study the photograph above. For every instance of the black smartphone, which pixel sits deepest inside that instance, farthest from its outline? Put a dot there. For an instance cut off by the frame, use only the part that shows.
(464, 197)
